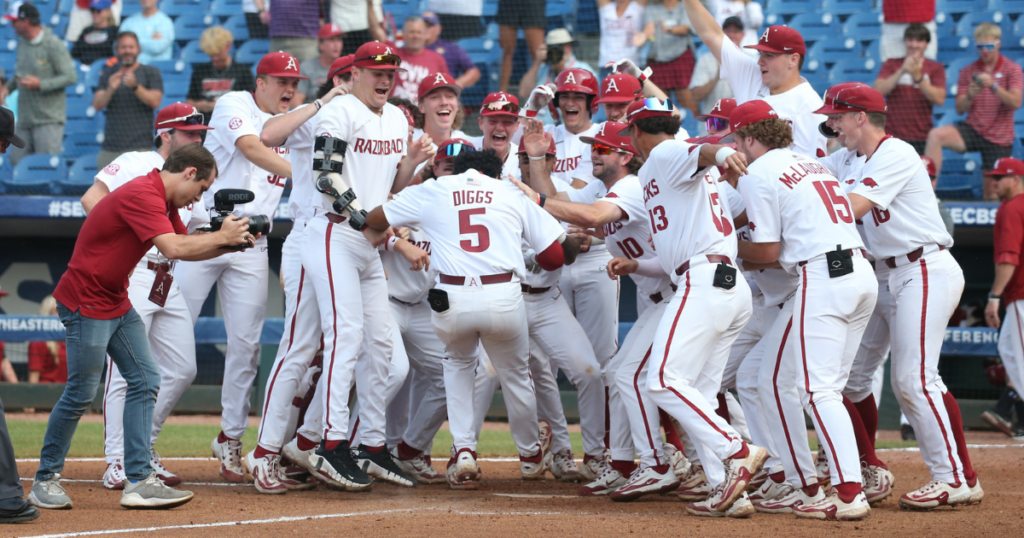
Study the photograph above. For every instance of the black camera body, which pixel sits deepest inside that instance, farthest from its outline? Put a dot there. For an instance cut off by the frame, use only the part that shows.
(224, 202)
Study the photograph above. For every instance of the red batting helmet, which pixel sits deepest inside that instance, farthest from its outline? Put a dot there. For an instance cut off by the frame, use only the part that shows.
(620, 88)
(580, 81)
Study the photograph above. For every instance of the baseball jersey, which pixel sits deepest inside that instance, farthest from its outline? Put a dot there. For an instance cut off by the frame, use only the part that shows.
(797, 201)
(300, 153)
(236, 115)
(684, 211)
(1008, 243)
(129, 166)
(547, 279)
(846, 165)
(475, 224)
(405, 284)
(627, 237)
(905, 216)
(572, 160)
(796, 106)
(376, 145)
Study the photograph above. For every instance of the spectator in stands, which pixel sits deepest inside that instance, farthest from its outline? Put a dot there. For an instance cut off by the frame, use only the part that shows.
(43, 70)
(461, 67)
(671, 58)
(707, 86)
(417, 60)
(155, 30)
(356, 20)
(912, 86)
(81, 17)
(130, 92)
(316, 69)
(988, 90)
(459, 19)
(898, 14)
(257, 16)
(7, 374)
(97, 41)
(219, 76)
(528, 15)
(749, 13)
(47, 361)
(622, 33)
(293, 27)
(552, 57)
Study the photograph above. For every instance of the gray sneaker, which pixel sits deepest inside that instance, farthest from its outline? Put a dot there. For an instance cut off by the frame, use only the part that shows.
(49, 494)
(152, 493)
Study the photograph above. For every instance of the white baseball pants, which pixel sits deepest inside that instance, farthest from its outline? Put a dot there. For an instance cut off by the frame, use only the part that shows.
(874, 345)
(758, 401)
(1011, 343)
(594, 299)
(424, 410)
(398, 370)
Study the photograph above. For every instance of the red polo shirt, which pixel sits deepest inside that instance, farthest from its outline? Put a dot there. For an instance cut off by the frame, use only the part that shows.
(988, 115)
(1008, 239)
(115, 236)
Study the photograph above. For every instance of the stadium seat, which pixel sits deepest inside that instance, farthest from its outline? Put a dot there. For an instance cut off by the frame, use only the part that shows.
(80, 107)
(790, 7)
(189, 28)
(865, 26)
(816, 26)
(177, 87)
(587, 20)
(846, 7)
(252, 51)
(225, 8)
(560, 8)
(832, 50)
(951, 48)
(960, 176)
(185, 8)
(192, 54)
(78, 144)
(64, 8)
(957, 7)
(172, 68)
(237, 26)
(474, 95)
(5, 171)
(945, 25)
(1007, 6)
(860, 70)
(953, 75)
(131, 7)
(92, 78)
(965, 26)
(81, 175)
(82, 125)
(35, 173)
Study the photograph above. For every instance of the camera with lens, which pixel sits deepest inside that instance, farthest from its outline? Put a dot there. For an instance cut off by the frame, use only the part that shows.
(224, 202)
(555, 55)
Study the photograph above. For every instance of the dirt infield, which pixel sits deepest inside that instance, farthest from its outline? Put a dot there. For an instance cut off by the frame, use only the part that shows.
(506, 505)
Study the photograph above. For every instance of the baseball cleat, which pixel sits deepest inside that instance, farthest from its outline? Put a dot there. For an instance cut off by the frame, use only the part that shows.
(977, 494)
(757, 481)
(676, 458)
(381, 465)
(646, 481)
(295, 477)
(821, 468)
(935, 494)
(878, 483)
(152, 493)
(593, 466)
(787, 500)
(463, 472)
(738, 472)
(695, 486)
(265, 473)
(770, 490)
(337, 468)
(563, 466)
(114, 477)
(230, 455)
(297, 456)
(608, 482)
(740, 509)
(419, 468)
(832, 508)
(165, 476)
(998, 422)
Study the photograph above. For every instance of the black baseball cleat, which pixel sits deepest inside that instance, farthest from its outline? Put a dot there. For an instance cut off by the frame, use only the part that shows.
(337, 468)
(381, 465)
(907, 433)
(17, 510)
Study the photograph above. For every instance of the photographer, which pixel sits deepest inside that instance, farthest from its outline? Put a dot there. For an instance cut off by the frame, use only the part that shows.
(553, 57)
(93, 304)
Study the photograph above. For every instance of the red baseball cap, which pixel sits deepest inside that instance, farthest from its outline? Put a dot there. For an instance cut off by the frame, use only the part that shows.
(453, 147)
(434, 81)
(329, 30)
(853, 99)
(377, 55)
(746, 114)
(780, 40)
(279, 64)
(1007, 166)
(645, 108)
(722, 109)
(500, 104)
(619, 88)
(340, 66)
(181, 116)
(552, 150)
(609, 134)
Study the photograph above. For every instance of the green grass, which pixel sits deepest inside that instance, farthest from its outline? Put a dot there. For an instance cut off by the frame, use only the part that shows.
(184, 440)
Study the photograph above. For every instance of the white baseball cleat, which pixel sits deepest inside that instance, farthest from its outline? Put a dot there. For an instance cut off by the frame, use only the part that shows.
(165, 476)
(419, 468)
(676, 458)
(230, 455)
(832, 508)
(535, 470)
(695, 486)
(787, 502)
(646, 481)
(738, 472)
(463, 472)
(977, 494)
(114, 477)
(757, 481)
(297, 456)
(593, 466)
(608, 482)
(741, 508)
(878, 483)
(935, 494)
(770, 490)
(295, 477)
(563, 466)
(265, 473)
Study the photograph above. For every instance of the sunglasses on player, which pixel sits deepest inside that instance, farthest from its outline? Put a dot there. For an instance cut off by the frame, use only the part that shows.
(501, 106)
(191, 119)
(716, 124)
(383, 59)
(454, 150)
(602, 149)
(653, 104)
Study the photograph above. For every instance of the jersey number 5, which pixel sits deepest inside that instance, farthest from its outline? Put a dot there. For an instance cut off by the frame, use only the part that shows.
(836, 204)
(483, 236)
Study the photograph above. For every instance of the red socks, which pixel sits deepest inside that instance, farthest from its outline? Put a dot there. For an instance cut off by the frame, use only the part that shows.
(848, 491)
(865, 444)
(957, 424)
(304, 442)
(723, 407)
(811, 490)
(778, 477)
(671, 435)
(625, 468)
(741, 453)
(331, 445)
(261, 452)
(221, 438)
(407, 452)
(868, 410)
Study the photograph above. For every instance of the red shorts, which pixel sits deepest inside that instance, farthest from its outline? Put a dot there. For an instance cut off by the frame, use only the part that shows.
(674, 74)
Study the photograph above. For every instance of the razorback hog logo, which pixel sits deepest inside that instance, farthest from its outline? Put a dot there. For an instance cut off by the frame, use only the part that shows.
(235, 123)
(821, 153)
(111, 169)
(751, 225)
(379, 147)
(612, 86)
(869, 182)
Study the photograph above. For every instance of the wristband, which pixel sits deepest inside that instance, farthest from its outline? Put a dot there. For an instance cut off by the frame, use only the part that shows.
(918, 81)
(318, 104)
(390, 244)
(994, 297)
(541, 199)
(644, 74)
(723, 154)
(532, 158)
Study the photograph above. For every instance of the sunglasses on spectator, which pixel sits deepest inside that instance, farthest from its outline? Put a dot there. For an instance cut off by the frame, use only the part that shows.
(602, 149)
(985, 46)
(502, 106)
(454, 150)
(717, 124)
(191, 119)
(384, 59)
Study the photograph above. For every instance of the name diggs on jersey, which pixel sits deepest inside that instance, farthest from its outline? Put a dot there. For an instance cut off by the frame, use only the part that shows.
(471, 197)
(378, 147)
(800, 171)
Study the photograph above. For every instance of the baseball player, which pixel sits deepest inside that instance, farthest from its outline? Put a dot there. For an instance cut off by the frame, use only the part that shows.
(692, 233)
(475, 224)
(345, 269)
(621, 89)
(774, 77)
(439, 103)
(499, 121)
(157, 299)
(906, 232)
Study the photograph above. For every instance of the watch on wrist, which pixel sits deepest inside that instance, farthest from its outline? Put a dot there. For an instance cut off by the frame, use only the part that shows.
(994, 297)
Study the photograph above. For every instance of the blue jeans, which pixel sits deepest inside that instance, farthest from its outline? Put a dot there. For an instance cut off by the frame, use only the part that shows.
(89, 341)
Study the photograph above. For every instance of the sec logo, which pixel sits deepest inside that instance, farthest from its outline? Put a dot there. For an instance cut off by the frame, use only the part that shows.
(111, 169)
(235, 123)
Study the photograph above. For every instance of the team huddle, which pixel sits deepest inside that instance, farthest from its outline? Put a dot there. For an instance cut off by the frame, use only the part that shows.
(425, 268)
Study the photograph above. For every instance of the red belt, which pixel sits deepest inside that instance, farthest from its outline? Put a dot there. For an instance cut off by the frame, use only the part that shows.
(657, 297)
(484, 279)
(712, 258)
(156, 266)
(533, 291)
(862, 253)
(912, 257)
(335, 218)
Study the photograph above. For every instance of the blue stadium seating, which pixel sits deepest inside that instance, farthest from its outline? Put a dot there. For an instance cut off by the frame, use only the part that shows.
(951, 48)
(78, 144)
(187, 8)
(791, 7)
(192, 54)
(847, 7)
(5, 171)
(173, 67)
(81, 176)
(131, 7)
(560, 8)
(960, 6)
(945, 26)
(833, 49)
(64, 8)
(80, 108)
(865, 26)
(251, 51)
(35, 173)
(177, 87)
(965, 26)
(237, 26)
(189, 28)
(92, 78)
(225, 8)
(82, 125)
(1018, 122)
(1007, 6)
(861, 70)
(960, 176)
(815, 26)
(587, 20)
(953, 74)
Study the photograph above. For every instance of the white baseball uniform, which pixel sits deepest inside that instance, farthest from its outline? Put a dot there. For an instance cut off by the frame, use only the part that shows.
(475, 225)
(794, 200)
(926, 284)
(171, 337)
(510, 165)
(692, 233)
(346, 270)
(797, 105)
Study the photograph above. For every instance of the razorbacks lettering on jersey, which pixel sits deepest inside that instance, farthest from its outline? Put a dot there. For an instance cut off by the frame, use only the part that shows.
(300, 146)
(796, 105)
(237, 115)
(572, 158)
(475, 224)
(627, 237)
(376, 145)
(684, 210)
(906, 216)
(797, 201)
(405, 284)
(129, 166)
